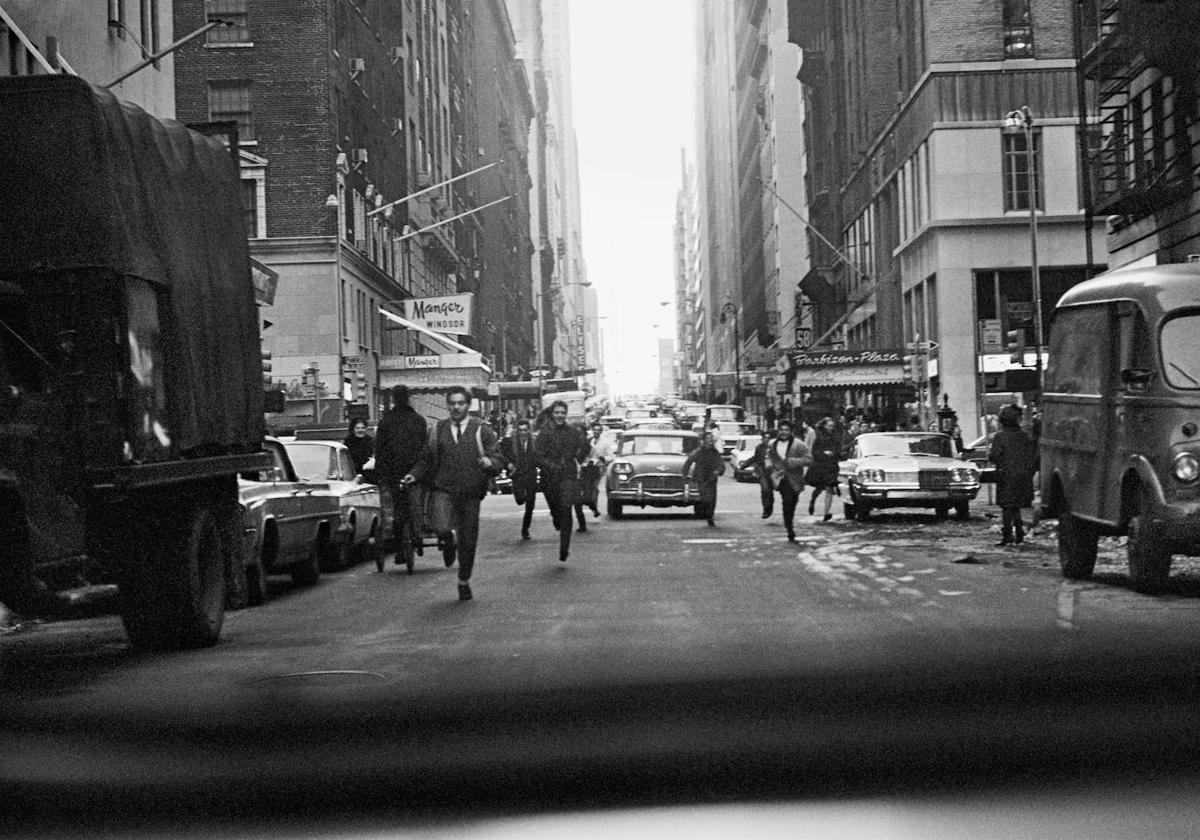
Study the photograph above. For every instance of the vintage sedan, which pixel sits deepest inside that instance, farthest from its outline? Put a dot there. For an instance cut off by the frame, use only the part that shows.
(361, 526)
(906, 469)
(743, 452)
(288, 523)
(647, 471)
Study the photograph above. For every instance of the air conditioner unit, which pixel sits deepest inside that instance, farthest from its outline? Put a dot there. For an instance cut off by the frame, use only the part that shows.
(358, 156)
(396, 54)
(357, 66)
(360, 245)
(397, 124)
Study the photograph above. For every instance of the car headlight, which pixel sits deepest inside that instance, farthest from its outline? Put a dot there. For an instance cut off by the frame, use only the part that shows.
(871, 476)
(622, 468)
(1187, 467)
(963, 474)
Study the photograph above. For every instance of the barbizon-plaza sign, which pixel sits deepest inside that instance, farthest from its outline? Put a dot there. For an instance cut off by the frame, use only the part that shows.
(848, 367)
(446, 314)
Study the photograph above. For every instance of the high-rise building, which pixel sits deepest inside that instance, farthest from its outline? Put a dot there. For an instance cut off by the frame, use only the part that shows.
(560, 277)
(352, 119)
(96, 41)
(940, 138)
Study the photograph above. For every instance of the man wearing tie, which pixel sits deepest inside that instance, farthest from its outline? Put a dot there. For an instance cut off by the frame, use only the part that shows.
(460, 458)
(518, 454)
(785, 462)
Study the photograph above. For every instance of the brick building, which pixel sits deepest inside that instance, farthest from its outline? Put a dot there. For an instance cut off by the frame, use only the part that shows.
(914, 177)
(344, 108)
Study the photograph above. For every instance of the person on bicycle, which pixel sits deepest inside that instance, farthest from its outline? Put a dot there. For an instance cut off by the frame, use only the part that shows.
(399, 441)
(459, 459)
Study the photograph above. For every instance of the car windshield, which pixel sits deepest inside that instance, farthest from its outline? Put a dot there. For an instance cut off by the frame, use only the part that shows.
(901, 444)
(310, 461)
(658, 445)
(1181, 352)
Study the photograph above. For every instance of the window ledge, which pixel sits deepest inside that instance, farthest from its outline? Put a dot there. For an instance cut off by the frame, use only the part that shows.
(228, 45)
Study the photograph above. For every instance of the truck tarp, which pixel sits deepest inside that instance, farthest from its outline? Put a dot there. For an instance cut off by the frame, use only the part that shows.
(91, 182)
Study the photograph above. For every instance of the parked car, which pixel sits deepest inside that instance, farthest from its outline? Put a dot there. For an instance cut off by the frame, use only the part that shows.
(287, 525)
(906, 469)
(731, 433)
(743, 451)
(733, 413)
(664, 423)
(1120, 443)
(634, 414)
(361, 524)
(979, 453)
(613, 421)
(647, 471)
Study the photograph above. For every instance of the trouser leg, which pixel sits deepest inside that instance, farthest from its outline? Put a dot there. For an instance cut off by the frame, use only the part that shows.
(767, 495)
(466, 514)
(441, 512)
(789, 496)
(1008, 516)
(530, 501)
(712, 502)
(580, 517)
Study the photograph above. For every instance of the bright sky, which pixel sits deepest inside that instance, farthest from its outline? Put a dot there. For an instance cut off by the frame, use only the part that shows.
(633, 63)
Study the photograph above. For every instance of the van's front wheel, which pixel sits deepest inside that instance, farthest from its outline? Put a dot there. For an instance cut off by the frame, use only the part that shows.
(1149, 557)
(1076, 547)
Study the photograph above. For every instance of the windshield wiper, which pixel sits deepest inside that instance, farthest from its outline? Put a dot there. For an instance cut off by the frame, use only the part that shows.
(1191, 378)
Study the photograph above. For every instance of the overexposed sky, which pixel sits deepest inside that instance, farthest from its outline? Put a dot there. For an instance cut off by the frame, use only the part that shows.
(633, 66)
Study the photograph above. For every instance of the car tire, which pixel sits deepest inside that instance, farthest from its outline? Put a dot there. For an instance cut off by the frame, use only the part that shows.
(942, 512)
(337, 555)
(173, 598)
(308, 572)
(849, 510)
(863, 512)
(1076, 547)
(962, 511)
(1149, 557)
(615, 510)
(256, 582)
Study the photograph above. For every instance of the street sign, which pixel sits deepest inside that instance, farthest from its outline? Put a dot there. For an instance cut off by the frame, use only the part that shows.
(353, 362)
(991, 335)
(804, 338)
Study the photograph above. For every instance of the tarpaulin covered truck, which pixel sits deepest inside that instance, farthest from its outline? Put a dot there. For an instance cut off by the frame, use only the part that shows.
(130, 371)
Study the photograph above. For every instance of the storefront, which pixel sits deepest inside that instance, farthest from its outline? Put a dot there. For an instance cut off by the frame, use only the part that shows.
(827, 383)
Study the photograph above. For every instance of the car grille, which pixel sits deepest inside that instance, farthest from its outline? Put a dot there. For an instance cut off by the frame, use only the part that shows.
(933, 479)
(659, 483)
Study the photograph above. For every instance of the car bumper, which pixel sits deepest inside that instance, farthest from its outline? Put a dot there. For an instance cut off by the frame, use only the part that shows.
(633, 492)
(915, 497)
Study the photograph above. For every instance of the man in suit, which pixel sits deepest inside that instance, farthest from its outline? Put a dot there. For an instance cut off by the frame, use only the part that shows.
(704, 465)
(559, 449)
(461, 456)
(522, 468)
(786, 459)
(766, 488)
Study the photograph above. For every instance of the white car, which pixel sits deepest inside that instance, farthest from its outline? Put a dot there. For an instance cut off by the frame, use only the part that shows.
(906, 469)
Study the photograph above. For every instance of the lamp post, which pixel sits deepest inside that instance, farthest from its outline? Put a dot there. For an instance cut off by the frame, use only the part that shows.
(1021, 120)
(730, 310)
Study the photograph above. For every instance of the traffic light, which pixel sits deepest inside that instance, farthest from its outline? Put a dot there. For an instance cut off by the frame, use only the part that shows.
(907, 363)
(266, 369)
(1015, 344)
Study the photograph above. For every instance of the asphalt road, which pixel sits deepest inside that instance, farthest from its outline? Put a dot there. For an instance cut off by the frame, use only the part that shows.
(658, 596)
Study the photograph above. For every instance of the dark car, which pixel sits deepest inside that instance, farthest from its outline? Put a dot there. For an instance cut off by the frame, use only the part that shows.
(647, 471)
(288, 524)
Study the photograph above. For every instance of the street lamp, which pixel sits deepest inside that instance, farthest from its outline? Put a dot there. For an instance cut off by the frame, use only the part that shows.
(730, 310)
(1015, 122)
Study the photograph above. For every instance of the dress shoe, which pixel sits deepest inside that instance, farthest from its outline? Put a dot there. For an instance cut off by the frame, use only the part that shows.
(1004, 541)
(562, 556)
(464, 591)
(766, 514)
(712, 523)
(524, 535)
(827, 517)
(582, 529)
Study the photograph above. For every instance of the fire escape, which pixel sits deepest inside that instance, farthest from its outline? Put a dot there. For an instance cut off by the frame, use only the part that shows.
(1139, 158)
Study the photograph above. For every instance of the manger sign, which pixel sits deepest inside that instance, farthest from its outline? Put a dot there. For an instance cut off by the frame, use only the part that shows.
(447, 314)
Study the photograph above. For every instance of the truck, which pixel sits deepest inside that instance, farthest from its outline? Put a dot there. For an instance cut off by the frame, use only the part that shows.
(130, 367)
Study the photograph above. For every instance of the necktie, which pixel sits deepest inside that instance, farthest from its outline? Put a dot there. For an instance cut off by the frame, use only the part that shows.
(457, 432)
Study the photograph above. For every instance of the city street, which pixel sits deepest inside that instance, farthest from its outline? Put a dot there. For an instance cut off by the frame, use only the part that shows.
(658, 596)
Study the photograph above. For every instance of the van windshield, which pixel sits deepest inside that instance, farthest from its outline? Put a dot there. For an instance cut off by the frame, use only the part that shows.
(1181, 352)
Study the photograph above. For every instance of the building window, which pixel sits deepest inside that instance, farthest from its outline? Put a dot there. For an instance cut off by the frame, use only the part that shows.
(237, 13)
(1018, 183)
(230, 101)
(1018, 29)
(250, 206)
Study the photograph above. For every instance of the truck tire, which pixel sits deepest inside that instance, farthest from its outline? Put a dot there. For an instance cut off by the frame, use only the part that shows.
(1076, 547)
(1149, 557)
(256, 583)
(173, 597)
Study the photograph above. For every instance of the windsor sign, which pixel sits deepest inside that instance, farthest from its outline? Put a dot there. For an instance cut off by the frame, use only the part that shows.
(446, 314)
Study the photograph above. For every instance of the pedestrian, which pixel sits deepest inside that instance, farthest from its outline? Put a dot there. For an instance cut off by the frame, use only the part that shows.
(769, 416)
(822, 476)
(558, 450)
(704, 465)
(592, 471)
(787, 458)
(399, 441)
(460, 457)
(522, 469)
(360, 444)
(766, 487)
(1015, 457)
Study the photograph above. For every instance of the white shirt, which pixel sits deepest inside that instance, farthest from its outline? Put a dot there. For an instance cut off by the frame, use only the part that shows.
(781, 448)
